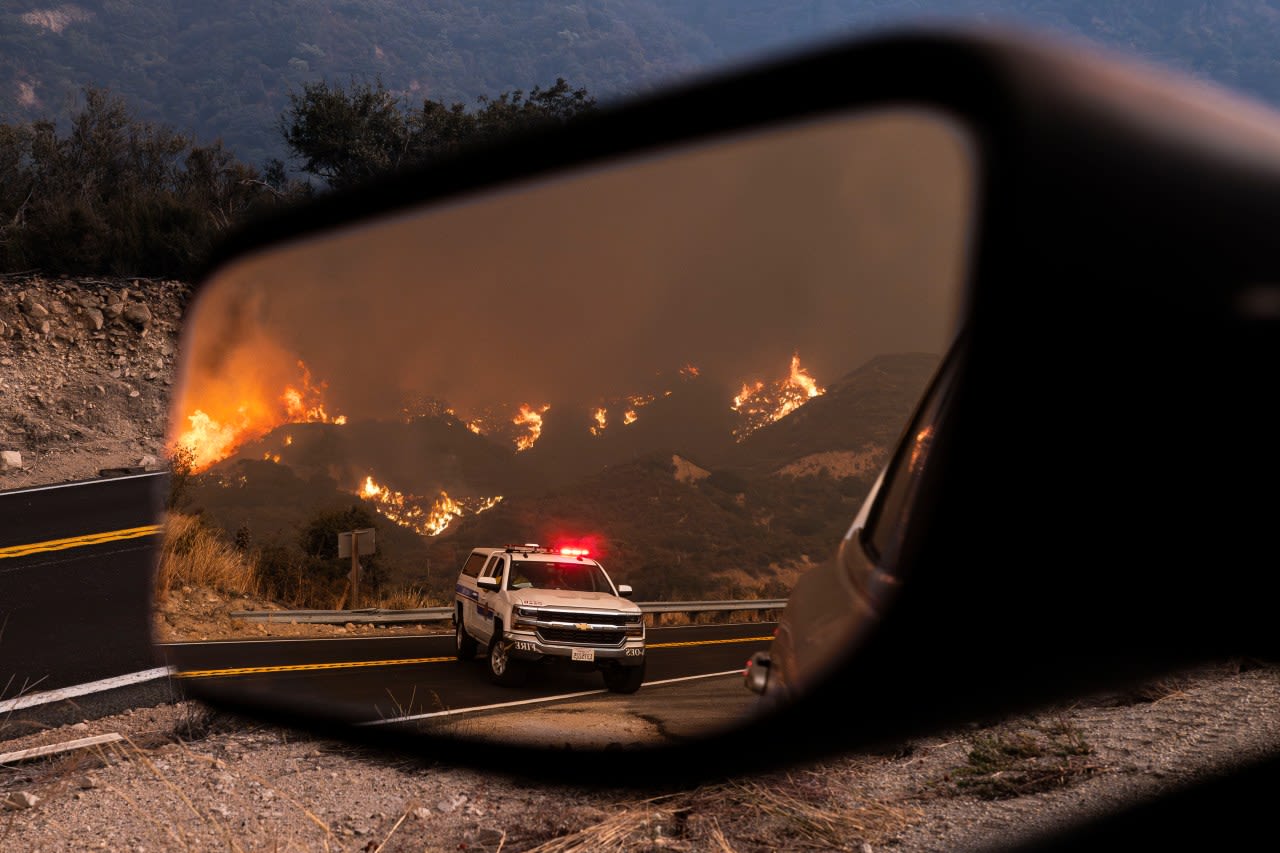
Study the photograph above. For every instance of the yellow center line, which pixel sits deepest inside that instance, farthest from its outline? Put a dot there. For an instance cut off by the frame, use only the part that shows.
(80, 541)
(303, 667)
(353, 664)
(709, 642)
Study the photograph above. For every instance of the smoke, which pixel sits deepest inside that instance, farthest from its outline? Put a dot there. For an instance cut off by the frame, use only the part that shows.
(837, 240)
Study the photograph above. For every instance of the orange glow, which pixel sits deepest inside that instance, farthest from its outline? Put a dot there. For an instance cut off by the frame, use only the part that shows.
(424, 516)
(531, 419)
(225, 415)
(761, 403)
(271, 457)
(689, 370)
(288, 440)
(629, 417)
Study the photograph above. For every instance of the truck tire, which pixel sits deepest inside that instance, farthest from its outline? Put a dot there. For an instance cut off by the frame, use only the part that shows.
(465, 645)
(503, 669)
(624, 679)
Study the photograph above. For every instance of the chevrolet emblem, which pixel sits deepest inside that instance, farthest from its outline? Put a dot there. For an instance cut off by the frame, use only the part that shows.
(583, 626)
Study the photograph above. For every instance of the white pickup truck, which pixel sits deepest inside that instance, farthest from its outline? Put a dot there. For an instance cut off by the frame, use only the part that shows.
(530, 604)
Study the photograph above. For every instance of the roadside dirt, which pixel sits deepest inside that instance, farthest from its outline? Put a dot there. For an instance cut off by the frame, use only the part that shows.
(183, 778)
(77, 397)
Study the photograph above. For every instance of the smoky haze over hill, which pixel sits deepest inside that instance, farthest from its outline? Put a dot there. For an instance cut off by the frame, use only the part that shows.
(226, 70)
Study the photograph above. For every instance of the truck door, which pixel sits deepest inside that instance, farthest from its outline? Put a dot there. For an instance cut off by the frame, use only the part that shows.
(482, 627)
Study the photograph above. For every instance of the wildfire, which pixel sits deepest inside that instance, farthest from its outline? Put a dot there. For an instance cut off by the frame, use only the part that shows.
(761, 403)
(215, 430)
(271, 457)
(689, 371)
(629, 417)
(288, 440)
(531, 419)
(601, 418)
(411, 511)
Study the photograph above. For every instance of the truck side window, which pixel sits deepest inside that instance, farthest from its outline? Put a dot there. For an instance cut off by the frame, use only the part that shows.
(471, 567)
(494, 569)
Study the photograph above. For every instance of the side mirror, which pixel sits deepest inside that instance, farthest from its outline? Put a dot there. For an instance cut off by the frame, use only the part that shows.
(921, 269)
(489, 583)
(624, 590)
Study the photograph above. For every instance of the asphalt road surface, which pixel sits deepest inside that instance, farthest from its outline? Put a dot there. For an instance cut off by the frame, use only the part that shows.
(373, 681)
(75, 580)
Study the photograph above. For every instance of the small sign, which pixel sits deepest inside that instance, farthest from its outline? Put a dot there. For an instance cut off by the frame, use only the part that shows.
(365, 538)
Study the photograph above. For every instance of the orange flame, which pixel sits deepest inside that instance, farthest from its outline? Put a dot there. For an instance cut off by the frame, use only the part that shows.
(225, 418)
(410, 511)
(532, 420)
(762, 403)
(602, 420)
(629, 417)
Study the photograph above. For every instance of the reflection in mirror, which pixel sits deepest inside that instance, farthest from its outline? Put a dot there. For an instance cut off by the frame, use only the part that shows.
(681, 373)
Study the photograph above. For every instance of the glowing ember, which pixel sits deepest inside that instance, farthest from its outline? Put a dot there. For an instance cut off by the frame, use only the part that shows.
(271, 457)
(288, 440)
(424, 516)
(629, 417)
(531, 419)
(689, 371)
(761, 403)
(217, 427)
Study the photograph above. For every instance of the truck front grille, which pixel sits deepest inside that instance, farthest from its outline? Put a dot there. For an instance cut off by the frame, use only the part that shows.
(572, 635)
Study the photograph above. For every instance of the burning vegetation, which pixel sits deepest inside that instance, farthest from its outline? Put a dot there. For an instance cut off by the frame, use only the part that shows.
(218, 426)
(424, 516)
(762, 403)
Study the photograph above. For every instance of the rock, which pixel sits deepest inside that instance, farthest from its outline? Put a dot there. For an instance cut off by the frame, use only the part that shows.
(114, 309)
(422, 813)
(148, 461)
(10, 460)
(56, 307)
(95, 319)
(21, 800)
(138, 314)
(36, 310)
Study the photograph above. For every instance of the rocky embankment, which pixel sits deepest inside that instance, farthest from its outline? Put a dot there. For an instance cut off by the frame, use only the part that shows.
(86, 367)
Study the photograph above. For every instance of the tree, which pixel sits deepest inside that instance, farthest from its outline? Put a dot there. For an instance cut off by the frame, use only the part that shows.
(347, 135)
(319, 542)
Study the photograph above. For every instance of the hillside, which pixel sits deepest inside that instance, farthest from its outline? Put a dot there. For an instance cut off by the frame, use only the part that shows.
(227, 70)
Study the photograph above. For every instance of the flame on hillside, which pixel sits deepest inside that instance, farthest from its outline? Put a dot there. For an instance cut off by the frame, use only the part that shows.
(601, 417)
(424, 516)
(531, 419)
(761, 403)
(224, 419)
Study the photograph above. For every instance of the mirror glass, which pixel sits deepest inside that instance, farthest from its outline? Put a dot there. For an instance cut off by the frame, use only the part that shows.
(680, 372)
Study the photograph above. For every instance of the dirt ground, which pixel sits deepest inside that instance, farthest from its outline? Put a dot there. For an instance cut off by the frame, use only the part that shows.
(85, 374)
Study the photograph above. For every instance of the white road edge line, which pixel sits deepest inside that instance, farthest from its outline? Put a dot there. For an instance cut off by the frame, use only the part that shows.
(72, 485)
(33, 699)
(450, 713)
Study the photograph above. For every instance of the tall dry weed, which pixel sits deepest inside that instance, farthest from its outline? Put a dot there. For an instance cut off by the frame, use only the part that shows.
(195, 555)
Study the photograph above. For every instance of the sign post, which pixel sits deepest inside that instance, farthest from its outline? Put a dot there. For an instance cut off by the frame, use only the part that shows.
(355, 544)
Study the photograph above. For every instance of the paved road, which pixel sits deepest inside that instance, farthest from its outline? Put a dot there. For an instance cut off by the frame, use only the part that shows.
(75, 579)
(374, 680)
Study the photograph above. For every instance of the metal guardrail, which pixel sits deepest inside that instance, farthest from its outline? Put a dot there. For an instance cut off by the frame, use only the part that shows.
(378, 616)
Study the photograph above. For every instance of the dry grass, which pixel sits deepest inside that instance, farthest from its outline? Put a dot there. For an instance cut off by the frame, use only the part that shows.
(777, 814)
(405, 598)
(194, 555)
(1026, 761)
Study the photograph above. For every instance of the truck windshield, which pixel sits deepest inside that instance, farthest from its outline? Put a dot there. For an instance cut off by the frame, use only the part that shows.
(537, 574)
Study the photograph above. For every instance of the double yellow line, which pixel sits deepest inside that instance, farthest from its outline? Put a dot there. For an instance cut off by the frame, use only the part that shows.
(80, 541)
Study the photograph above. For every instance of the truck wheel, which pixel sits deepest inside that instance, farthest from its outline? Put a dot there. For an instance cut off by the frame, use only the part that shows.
(624, 679)
(464, 643)
(503, 669)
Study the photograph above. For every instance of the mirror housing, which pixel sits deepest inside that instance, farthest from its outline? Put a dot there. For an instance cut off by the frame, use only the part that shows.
(489, 583)
(624, 590)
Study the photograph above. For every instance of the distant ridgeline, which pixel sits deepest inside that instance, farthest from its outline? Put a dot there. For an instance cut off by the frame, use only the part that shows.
(226, 70)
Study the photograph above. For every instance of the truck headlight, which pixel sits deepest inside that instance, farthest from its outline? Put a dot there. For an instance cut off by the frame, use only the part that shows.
(525, 617)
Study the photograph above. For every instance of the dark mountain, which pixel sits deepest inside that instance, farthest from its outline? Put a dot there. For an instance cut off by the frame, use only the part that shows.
(226, 69)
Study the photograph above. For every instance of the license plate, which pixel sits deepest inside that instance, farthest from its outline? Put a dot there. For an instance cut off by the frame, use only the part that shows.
(583, 654)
